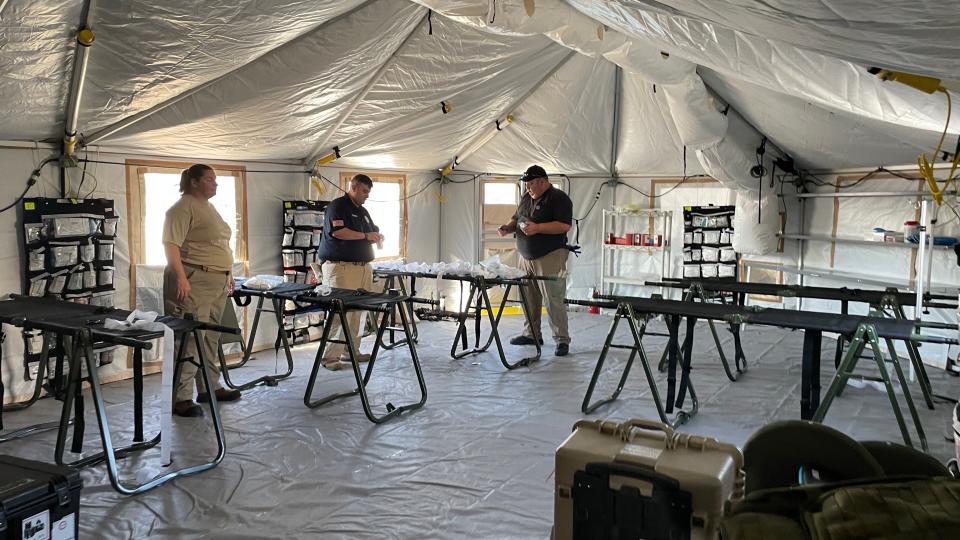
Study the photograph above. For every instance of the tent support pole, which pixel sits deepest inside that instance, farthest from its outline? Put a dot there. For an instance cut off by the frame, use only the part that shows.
(615, 135)
(81, 59)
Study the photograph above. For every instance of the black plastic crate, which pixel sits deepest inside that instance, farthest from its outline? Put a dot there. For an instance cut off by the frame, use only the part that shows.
(38, 500)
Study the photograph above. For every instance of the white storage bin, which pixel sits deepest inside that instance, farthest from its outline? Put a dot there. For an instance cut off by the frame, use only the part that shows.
(727, 254)
(710, 254)
(691, 270)
(711, 237)
(105, 276)
(75, 281)
(89, 278)
(697, 237)
(292, 258)
(302, 238)
(88, 252)
(33, 232)
(105, 251)
(38, 285)
(36, 259)
(104, 299)
(726, 270)
(308, 218)
(687, 238)
(301, 321)
(64, 226)
(719, 221)
(57, 282)
(696, 255)
(687, 255)
(63, 255)
(287, 238)
(708, 270)
(725, 237)
(110, 226)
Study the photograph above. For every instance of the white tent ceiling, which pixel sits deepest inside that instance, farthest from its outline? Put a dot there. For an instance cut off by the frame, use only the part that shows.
(288, 79)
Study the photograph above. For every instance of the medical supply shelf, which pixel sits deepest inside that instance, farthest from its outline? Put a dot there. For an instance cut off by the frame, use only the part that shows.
(302, 231)
(616, 267)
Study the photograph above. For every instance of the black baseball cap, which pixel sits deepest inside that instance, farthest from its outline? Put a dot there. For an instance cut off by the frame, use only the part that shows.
(532, 173)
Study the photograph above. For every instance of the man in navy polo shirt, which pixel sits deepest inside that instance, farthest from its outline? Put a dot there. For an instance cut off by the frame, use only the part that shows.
(346, 251)
(541, 224)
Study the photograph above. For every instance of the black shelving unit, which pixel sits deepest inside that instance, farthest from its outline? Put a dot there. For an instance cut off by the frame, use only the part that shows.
(302, 230)
(708, 243)
(67, 252)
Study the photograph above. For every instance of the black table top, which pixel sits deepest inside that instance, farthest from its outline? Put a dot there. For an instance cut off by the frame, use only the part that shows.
(383, 272)
(70, 318)
(784, 318)
(351, 299)
(283, 288)
(868, 296)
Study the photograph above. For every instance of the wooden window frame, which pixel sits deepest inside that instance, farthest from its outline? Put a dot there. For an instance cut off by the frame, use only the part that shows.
(387, 178)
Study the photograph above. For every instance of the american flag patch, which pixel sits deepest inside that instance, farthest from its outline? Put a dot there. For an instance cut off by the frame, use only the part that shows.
(337, 223)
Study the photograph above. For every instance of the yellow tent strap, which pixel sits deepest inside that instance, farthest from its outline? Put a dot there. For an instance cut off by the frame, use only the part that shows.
(926, 166)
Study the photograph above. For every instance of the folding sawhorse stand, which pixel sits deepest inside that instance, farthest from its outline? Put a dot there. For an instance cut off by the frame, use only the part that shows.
(887, 303)
(243, 297)
(863, 331)
(626, 311)
(337, 304)
(478, 301)
(80, 326)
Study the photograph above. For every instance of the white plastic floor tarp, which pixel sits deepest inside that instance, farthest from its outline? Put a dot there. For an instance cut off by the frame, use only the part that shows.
(475, 462)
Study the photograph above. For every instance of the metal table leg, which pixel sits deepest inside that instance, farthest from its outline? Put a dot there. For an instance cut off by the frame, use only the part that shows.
(866, 335)
(363, 379)
(608, 344)
(267, 380)
(810, 374)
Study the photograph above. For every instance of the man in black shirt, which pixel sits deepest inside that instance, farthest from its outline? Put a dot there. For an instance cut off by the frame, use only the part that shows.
(541, 224)
(346, 250)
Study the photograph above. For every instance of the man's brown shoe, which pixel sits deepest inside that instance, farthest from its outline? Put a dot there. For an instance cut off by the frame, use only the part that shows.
(187, 408)
(222, 395)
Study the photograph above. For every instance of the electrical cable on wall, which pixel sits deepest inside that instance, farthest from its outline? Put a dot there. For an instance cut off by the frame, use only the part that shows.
(34, 177)
(412, 195)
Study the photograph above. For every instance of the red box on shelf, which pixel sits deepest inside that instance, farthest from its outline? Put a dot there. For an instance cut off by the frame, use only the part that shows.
(623, 240)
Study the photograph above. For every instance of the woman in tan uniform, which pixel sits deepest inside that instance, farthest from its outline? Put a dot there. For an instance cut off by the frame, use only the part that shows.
(198, 278)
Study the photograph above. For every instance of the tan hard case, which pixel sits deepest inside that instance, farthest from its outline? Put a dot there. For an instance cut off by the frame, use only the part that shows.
(711, 471)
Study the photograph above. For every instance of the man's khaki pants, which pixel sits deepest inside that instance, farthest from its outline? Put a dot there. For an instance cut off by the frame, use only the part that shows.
(208, 295)
(346, 275)
(552, 264)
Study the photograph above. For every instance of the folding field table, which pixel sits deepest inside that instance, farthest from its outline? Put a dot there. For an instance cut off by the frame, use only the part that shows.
(889, 302)
(81, 328)
(243, 297)
(337, 305)
(478, 301)
(862, 331)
